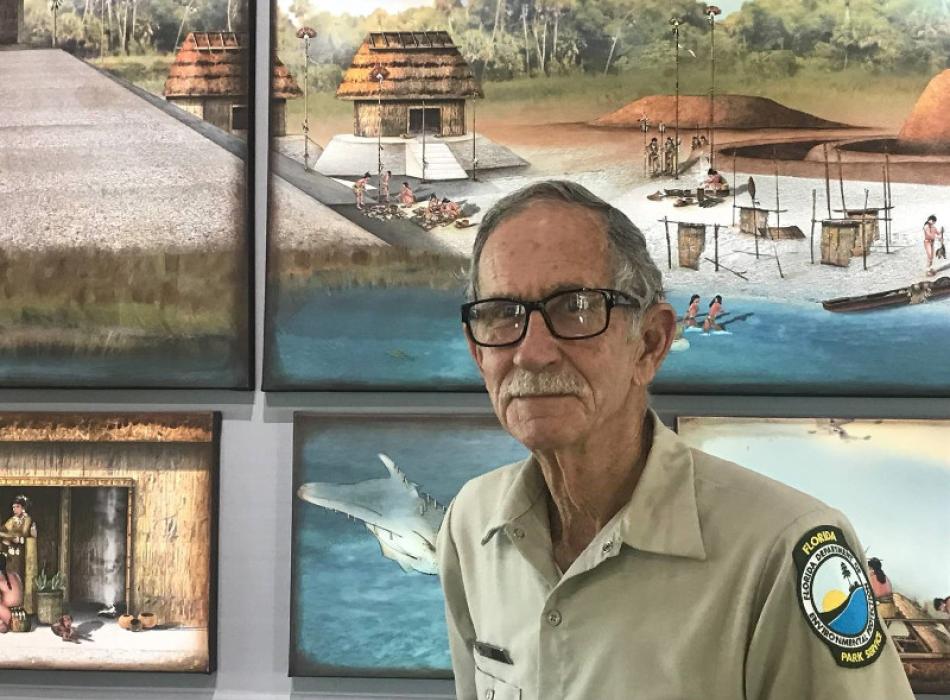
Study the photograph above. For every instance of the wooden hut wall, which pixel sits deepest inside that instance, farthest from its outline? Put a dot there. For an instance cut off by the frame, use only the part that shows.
(278, 117)
(396, 117)
(837, 242)
(192, 105)
(868, 232)
(453, 118)
(690, 244)
(172, 509)
(753, 220)
(218, 111)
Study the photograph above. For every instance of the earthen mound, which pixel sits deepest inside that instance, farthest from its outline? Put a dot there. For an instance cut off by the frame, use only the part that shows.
(730, 112)
(929, 122)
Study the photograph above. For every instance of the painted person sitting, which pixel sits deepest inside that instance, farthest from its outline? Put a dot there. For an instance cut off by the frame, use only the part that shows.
(715, 181)
(406, 196)
(450, 210)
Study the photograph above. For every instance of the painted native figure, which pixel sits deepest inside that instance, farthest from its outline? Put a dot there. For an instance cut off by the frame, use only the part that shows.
(14, 534)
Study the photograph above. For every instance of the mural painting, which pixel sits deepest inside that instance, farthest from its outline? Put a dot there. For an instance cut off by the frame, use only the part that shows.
(891, 478)
(107, 541)
(125, 246)
(787, 163)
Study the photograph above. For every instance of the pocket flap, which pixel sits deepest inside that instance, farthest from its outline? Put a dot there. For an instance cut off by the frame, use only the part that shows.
(491, 688)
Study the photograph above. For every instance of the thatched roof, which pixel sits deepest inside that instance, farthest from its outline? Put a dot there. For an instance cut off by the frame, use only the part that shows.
(418, 65)
(283, 85)
(209, 64)
(214, 64)
(106, 427)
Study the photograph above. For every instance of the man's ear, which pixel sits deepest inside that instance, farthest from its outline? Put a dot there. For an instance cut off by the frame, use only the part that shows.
(474, 350)
(657, 332)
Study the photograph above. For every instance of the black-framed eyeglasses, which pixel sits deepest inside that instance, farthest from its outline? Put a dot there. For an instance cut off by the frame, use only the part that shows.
(572, 314)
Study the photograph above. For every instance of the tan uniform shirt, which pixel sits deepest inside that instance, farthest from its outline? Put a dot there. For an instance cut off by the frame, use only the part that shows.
(690, 592)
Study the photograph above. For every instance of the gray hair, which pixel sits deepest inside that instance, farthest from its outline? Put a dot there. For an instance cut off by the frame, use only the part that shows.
(634, 271)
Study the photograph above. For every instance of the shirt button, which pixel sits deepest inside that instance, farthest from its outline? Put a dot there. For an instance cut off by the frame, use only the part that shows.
(554, 618)
(489, 694)
(607, 546)
(517, 532)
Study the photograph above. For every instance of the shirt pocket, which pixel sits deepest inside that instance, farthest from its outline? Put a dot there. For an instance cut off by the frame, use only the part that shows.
(488, 687)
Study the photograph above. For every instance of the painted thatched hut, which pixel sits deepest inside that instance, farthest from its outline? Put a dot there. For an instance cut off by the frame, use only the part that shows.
(404, 82)
(283, 88)
(12, 30)
(123, 507)
(209, 79)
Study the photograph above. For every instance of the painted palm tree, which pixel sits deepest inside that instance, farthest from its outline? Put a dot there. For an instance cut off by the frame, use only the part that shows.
(54, 6)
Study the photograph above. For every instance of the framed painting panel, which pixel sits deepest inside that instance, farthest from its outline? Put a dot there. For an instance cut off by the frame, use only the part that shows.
(108, 541)
(370, 492)
(891, 478)
(125, 249)
(792, 216)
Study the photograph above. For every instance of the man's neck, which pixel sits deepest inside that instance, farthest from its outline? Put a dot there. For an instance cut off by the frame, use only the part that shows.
(588, 485)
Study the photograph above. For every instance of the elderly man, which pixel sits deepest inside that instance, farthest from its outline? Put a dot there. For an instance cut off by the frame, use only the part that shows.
(616, 562)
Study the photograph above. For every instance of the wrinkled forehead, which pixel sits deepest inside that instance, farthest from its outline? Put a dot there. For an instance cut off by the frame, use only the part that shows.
(546, 243)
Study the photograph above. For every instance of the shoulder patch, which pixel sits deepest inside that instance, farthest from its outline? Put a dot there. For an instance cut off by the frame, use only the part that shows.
(836, 597)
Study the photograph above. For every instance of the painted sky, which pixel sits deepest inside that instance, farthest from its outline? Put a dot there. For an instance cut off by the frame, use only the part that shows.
(891, 479)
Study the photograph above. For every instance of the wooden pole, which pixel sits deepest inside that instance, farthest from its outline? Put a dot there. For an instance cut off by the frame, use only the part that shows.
(864, 225)
(423, 140)
(734, 188)
(777, 261)
(669, 247)
(827, 180)
(887, 212)
(844, 207)
(814, 206)
(676, 121)
(737, 274)
(890, 197)
(716, 240)
(474, 155)
(778, 205)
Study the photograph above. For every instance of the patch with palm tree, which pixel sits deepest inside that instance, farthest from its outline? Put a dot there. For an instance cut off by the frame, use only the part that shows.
(836, 597)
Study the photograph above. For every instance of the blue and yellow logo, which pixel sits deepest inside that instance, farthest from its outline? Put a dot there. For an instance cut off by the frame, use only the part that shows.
(836, 597)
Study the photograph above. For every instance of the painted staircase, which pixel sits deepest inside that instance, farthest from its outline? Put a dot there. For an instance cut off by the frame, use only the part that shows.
(441, 164)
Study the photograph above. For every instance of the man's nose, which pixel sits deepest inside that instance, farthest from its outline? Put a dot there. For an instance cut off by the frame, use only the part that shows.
(539, 348)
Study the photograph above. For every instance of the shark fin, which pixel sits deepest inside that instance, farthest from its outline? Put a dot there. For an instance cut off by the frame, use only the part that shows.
(396, 473)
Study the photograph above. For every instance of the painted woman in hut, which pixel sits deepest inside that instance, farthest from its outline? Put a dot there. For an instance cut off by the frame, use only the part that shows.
(13, 536)
(11, 594)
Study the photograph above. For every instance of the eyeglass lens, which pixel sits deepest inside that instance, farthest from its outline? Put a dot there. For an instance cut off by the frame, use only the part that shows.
(573, 314)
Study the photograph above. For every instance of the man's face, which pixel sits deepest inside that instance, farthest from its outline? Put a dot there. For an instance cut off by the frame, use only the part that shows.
(17, 509)
(551, 246)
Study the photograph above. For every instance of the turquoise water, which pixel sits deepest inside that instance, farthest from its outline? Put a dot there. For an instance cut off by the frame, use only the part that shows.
(354, 612)
(410, 339)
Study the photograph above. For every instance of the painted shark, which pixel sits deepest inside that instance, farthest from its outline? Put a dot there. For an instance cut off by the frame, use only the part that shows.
(404, 521)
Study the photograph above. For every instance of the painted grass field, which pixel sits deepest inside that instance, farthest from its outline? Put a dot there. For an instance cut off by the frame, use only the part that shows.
(855, 96)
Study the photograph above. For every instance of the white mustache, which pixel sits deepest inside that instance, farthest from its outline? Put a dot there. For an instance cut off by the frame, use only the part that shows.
(525, 383)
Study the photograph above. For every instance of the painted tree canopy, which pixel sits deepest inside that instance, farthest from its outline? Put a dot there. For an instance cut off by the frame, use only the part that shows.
(507, 39)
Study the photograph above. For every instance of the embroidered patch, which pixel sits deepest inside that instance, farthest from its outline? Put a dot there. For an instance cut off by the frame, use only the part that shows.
(836, 597)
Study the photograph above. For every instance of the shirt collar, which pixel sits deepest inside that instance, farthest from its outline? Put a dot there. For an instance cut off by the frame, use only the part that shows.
(661, 517)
